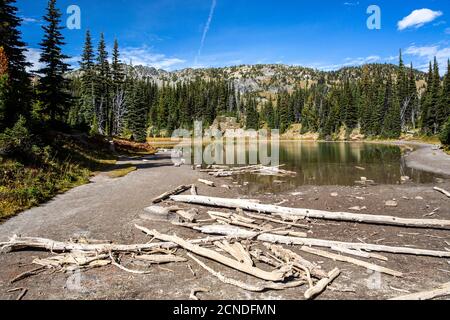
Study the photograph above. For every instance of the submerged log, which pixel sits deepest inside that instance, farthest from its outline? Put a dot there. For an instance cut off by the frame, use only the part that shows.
(316, 214)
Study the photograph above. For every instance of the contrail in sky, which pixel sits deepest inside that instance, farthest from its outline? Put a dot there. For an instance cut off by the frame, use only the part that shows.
(205, 31)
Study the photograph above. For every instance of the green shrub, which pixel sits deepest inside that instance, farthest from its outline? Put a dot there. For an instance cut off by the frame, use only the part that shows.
(445, 134)
(15, 140)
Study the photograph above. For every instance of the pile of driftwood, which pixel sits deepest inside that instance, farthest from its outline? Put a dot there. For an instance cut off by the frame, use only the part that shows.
(246, 236)
(226, 171)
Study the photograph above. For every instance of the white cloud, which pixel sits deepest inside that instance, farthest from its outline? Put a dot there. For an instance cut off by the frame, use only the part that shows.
(28, 20)
(146, 57)
(33, 55)
(418, 18)
(427, 54)
(351, 4)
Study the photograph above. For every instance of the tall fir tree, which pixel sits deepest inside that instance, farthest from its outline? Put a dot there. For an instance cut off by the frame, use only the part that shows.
(4, 84)
(435, 98)
(137, 112)
(102, 92)
(117, 91)
(252, 115)
(87, 99)
(392, 121)
(17, 100)
(427, 107)
(444, 103)
(53, 85)
(411, 112)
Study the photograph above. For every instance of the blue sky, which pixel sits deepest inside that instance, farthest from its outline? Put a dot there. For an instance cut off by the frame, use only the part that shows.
(328, 34)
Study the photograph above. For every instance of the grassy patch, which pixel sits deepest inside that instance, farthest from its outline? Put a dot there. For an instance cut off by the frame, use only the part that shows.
(122, 172)
(55, 164)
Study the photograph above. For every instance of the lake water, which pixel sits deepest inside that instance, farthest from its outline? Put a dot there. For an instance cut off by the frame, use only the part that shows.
(335, 163)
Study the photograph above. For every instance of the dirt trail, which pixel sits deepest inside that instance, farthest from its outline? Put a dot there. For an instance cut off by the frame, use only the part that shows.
(107, 209)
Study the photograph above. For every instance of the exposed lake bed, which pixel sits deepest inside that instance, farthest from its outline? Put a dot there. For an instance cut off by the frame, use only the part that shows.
(116, 216)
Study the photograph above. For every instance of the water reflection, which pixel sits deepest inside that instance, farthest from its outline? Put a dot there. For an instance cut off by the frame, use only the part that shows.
(323, 163)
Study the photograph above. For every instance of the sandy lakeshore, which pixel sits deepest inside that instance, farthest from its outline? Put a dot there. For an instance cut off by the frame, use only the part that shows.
(108, 209)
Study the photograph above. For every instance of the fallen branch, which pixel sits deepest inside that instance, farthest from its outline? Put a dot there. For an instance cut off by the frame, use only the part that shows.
(442, 191)
(188, 215)
(27, 274)
(277, 275)
(337, 257)
(272, 238)
(236, 250)
(266, 218)
(193, 296)
(207, 182)
(322, 284)
(316, 214)
(290, 256)
(443, 291)
(160, 258)
(245, 286)
(166, 195)
(115, 263)
(18, 243)
(359, 253)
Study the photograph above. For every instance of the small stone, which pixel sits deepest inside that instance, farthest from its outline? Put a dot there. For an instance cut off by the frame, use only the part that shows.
(334, 194)
(391, 203)
(357, 208)
(418, 198)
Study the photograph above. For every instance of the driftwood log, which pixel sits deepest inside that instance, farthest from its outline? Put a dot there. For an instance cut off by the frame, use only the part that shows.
(322, 284)
(316, 214)
(364, 264)
(445, 192)
(276, 276)
(166, 195)
(443, 291)
(245, 286)
(272, 238)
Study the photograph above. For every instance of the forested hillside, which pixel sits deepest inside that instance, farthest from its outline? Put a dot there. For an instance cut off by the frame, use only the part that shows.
(106, 96)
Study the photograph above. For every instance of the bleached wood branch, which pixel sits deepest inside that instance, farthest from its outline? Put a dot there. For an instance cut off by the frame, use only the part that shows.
(322, 284)
(316, 214)
(364, 264)
(272, 238)
(445, 192)
(245, 286)
(443, 291)
(277, 275)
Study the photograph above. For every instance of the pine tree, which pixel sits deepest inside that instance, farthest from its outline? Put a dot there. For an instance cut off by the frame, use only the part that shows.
(427, 121)
(252, 115)
(392, 123)
(410, 111)
(350, 107)
(53, 85)
(117, 90)
(444, 103)
(4, 84)
(102, 94)
(17, 100)
(87, 98)
(137, 113)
